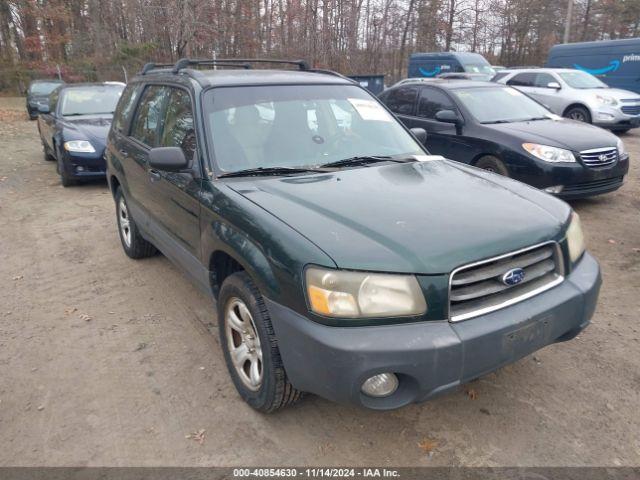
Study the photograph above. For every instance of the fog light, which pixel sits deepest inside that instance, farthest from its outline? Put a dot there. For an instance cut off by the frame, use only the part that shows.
(79, 169)
(381, 385)
(604, 116)
(554, 189)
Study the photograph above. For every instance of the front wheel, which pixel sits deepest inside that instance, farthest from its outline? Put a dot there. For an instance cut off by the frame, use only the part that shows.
(492, 164)
(250, 346)
(580, 114)
(132, 242)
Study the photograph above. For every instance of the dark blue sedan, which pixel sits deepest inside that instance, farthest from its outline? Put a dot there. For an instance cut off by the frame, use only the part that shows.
(74, 126)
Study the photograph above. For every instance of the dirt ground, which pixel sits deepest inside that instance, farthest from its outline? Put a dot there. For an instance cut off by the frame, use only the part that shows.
(106, 361)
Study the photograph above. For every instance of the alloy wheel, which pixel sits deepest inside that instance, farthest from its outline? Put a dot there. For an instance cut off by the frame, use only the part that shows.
(124, 221)
(243, 343)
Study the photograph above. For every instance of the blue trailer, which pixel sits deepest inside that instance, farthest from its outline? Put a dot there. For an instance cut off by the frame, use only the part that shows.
(615, 62)
(436, 63)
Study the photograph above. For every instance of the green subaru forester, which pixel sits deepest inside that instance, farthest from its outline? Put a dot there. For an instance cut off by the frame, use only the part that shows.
(344, 260)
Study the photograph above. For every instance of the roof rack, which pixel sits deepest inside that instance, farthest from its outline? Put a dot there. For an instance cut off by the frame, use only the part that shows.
(185, 62)
(302, 64)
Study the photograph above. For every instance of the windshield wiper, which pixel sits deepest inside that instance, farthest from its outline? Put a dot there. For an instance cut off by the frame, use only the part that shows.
(499, 121)
(248, 172)
(533, 119)
(361, 160)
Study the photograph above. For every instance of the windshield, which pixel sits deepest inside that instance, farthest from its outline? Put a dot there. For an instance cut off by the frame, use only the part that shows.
(300, 126)
(500, 105)
(581, 80)
(479, 68)
(90, 100)
(43, 88)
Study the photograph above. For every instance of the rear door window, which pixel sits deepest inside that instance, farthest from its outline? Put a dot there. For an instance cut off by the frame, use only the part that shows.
(526, 79)
(403, 100)
(148, 121)
(125, 107)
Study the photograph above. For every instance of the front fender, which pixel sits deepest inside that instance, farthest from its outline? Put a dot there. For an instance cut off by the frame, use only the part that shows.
(271, 252)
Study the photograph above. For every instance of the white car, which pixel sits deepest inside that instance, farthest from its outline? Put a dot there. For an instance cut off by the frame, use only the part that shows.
(578, 95)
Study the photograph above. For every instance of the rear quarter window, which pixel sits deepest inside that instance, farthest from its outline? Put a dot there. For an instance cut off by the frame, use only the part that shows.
(125, 107)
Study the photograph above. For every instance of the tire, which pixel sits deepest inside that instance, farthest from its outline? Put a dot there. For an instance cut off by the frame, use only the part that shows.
(266, 388)
(578, 113)
(132, 242)
(47, 156)
(622, 131)
(493, 164)
(65, 179)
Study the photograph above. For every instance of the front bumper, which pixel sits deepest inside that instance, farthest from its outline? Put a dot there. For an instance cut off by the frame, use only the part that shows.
(614, 118)
(84, 165)
(433, 357)
(577, 180)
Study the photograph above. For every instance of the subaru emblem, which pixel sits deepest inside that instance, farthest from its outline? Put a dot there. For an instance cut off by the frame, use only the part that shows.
(513, 277)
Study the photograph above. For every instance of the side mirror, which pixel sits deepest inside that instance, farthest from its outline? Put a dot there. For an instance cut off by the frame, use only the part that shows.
(420, 134)
(43, 109)
(448, 116)
(168, 159)
(555, 85)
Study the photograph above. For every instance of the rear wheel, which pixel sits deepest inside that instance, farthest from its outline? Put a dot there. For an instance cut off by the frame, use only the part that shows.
(250, 346)
(578, 113)
(132, 242)
(492, 164)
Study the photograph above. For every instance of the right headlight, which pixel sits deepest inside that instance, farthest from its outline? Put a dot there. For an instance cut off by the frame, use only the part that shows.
(348, 294)
(621, 149)
(575, 238)
(548, 153)
(81, 146)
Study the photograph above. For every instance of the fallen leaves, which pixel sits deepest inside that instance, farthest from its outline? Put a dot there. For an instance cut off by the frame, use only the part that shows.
(85, 316)
(197, 436)
(471, 393)
(428, 446)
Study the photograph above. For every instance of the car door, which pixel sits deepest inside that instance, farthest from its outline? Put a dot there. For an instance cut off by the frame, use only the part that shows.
(525, 82)
(441, 136)
(144, 134)
(176, 204)
(551, 97)
(46, 122)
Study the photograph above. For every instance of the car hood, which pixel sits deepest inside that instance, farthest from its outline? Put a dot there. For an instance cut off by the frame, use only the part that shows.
(94, 127)
(564, 133)
(422, 217)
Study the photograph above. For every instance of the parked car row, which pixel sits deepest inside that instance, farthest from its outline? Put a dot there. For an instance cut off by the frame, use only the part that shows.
(344, 257)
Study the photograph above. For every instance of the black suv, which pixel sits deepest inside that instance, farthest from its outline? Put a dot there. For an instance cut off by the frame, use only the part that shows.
(344, 259)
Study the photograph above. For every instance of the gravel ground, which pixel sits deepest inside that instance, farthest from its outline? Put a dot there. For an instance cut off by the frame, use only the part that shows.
(105, 361)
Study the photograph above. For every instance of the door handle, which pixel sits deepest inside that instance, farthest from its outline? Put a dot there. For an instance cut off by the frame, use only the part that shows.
(154, 175)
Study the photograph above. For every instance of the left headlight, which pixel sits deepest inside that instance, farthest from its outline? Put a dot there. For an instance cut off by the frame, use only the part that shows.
(621, 149)
(606, 100)
(81, 146)
(575, 238)
(347, 294)
(548, 153)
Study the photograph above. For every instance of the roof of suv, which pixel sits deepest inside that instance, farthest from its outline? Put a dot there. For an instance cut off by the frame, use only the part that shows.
(242, 73)
(263, 77)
